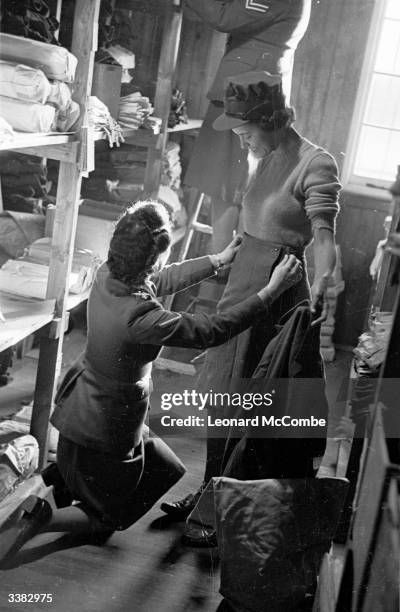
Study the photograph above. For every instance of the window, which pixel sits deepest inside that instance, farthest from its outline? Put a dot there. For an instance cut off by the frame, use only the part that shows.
(373, 153)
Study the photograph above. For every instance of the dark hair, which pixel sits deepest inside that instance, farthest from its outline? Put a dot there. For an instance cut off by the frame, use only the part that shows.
(140, 236)
(279, 118)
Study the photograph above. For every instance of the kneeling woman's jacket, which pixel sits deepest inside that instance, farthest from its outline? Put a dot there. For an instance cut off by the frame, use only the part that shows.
(103, 400)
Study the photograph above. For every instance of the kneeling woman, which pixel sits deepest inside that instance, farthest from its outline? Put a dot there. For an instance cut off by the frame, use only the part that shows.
(110, 463)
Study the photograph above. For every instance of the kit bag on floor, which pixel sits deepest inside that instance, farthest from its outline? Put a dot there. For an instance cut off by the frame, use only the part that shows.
(272, 535)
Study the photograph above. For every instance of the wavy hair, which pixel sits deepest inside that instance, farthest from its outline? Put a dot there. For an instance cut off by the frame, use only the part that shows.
(140, 236)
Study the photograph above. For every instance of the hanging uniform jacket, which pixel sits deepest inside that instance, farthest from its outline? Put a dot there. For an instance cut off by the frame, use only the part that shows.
(263, 35)
(291, 365)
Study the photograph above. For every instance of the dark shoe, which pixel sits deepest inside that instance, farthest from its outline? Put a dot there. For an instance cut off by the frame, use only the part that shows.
(180, 510)
(25, 522)
(199, 537)
(52, 477)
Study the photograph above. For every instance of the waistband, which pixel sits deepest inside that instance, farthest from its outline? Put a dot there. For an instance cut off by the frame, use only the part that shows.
(274, 246)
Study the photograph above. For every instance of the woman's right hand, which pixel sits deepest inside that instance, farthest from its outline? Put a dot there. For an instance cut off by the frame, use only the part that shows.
(287, 273)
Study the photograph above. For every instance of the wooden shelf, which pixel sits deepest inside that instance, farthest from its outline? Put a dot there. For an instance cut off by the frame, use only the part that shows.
(192, 124)
(143, 137)
(22, 318)
(140, 137)
(54, 145)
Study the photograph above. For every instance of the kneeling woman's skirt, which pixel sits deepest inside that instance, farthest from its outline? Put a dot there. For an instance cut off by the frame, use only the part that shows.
(118, 491)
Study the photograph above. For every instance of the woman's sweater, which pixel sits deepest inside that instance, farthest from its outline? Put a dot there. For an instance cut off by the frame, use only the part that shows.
(293, 191)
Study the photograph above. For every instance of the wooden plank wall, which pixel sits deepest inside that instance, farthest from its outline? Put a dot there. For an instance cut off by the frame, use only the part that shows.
(199, 56)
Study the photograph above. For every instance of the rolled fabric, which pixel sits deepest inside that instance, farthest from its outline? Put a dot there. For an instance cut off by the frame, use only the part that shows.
(23, 82)
(56, 62)
(26, 116)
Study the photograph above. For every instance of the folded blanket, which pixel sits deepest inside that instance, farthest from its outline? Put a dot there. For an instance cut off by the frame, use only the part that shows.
(56, 62)
(23, 82)
(27, 116)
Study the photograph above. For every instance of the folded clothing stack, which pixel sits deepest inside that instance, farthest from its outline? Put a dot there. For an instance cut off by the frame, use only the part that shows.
(29, 101)
(29, 18)
(134, 109)
(27, 276)
(57, 63)
(23, 182)
(130, 165)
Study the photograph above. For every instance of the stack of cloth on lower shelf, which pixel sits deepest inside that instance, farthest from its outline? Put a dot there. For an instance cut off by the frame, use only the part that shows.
(34, 95)
(24, 182)
(119, 174)
(27, 276)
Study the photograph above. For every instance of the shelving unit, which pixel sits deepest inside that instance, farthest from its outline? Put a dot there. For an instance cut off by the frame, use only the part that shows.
(74, 151)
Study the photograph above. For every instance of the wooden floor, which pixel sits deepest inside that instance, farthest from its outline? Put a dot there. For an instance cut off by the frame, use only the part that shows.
(143, 569)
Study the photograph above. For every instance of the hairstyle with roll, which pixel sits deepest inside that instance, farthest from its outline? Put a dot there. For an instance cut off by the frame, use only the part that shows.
(267, 104)
(140, 236)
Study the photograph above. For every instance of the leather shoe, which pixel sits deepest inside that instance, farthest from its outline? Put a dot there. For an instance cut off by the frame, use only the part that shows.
(199, 537)
(180, 510)
(25, 522)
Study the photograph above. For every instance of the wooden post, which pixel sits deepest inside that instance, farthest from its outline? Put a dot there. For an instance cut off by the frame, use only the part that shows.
(84, 45)
(162, 101)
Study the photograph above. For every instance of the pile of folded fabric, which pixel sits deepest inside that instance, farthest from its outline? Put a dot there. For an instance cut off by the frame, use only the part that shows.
(28, 18)
(35, 96)
(23, 181)
(134, 109)
(27, 276)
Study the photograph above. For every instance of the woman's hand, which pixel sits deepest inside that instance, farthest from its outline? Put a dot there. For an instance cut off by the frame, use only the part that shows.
(319, 303)
(287, 273)
(227, 256)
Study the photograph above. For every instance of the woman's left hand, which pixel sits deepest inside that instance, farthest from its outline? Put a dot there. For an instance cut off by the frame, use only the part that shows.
(227, 256)
(319, 304)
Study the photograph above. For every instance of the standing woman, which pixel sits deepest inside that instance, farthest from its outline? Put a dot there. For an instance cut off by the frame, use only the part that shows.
(261, 35)
(108, 459)
(291, 200)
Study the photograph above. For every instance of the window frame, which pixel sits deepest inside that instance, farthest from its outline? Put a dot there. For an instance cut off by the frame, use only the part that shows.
(369, 186)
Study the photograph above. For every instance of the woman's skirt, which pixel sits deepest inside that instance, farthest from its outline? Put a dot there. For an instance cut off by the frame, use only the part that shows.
(238, 358)
(218, 165)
